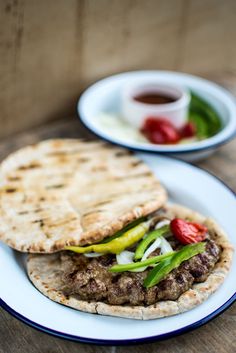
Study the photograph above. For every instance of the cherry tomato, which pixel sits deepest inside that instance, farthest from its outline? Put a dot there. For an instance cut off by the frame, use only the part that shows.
(160, 131)
(187, 232)
(188, 130)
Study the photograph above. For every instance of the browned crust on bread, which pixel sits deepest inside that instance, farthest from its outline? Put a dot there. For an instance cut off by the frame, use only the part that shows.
(70, 192)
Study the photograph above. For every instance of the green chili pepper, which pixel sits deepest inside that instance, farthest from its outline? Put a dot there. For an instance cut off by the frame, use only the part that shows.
(200, 123)
(140, 250)
(201, 104)
(169, 264)
(117, 245)
(135, 265)
(205, 117)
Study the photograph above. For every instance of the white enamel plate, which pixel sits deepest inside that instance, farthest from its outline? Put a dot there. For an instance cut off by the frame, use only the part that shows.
(186, 185)
(105, 97)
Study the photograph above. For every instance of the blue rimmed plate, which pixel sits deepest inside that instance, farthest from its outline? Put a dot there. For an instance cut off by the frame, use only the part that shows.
(186, 185)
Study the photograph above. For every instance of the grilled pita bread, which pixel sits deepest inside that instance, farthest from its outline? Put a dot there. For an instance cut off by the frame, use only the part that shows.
(45, 271)
(69, 192)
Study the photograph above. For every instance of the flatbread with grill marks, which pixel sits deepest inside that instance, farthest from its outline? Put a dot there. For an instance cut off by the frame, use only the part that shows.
(70, 192)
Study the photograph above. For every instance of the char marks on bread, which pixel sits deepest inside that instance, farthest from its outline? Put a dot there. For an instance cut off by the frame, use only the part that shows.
(70, 192)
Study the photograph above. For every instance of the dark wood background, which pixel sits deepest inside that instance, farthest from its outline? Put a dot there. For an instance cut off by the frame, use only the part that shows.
(50, 50)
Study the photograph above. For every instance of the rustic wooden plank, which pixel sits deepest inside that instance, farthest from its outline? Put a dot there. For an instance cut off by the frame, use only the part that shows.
(216, 336)
(129, 36)
(18, 338)
(209, 36)
(50, 51)
(39, 74)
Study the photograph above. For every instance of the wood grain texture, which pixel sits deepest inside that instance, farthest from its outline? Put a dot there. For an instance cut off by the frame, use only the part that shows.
(51, 50)
(208, 36)
(217, 336)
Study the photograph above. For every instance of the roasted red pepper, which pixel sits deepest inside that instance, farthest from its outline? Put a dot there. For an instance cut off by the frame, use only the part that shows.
(188, 130)
(187, 232)
(160, 131)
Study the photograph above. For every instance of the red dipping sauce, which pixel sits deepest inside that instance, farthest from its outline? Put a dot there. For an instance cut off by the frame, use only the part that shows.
(154, 98)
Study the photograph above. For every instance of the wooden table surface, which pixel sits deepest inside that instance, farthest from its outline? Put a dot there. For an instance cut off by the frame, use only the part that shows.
(217, 336)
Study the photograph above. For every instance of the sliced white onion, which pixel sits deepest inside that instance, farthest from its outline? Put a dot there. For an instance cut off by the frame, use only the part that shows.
(153, 247)
(161, 243)
(162, 223)
(93, 254)
(165, 246)
(126, 257)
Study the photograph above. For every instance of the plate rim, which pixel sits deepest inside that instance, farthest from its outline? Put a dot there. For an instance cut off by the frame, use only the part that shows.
(132, 341)
(121, 342)
(150, 148)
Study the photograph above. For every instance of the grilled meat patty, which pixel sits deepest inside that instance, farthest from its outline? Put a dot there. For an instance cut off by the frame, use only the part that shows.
(90, 280)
